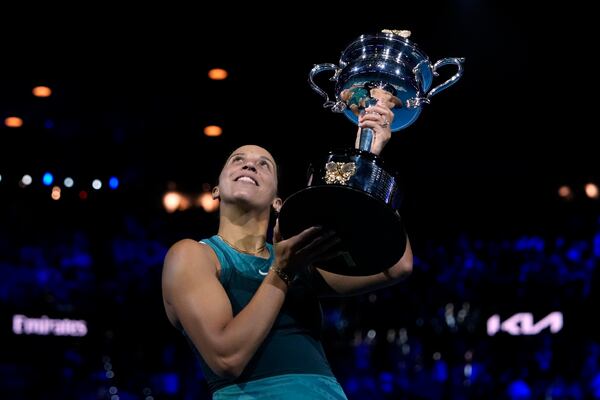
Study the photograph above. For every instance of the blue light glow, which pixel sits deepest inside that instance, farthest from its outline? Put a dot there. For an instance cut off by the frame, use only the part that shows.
(48, 179)
(113, 183)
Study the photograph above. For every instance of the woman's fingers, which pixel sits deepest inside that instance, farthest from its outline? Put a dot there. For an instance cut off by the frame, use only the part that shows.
(299, 241)
(320, 245)
(379, 117)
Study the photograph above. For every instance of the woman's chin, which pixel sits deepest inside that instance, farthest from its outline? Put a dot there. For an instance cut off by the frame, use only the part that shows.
(247, 200)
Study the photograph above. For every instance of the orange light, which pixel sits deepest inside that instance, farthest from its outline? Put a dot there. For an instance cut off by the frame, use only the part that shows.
(13, 122)
(591, 190)
(55, 193)
(213, 130)
(171, 201)
(42, 91)
(206, 201)
(217, 74)
(565, 192)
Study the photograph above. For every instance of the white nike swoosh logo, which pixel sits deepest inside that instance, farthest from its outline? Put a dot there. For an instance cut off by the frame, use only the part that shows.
(263, 273)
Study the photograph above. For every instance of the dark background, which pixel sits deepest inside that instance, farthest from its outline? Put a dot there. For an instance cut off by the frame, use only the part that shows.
(131, 96)
(483, 161)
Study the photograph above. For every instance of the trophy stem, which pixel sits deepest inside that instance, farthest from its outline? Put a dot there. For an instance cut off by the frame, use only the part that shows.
(366, 139)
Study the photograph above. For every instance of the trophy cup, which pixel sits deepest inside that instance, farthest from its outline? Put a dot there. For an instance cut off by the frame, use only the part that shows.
(349, 190)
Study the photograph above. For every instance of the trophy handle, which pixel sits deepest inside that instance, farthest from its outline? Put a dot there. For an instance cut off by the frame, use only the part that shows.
(336, 106)
(419, 99)
(446, 61)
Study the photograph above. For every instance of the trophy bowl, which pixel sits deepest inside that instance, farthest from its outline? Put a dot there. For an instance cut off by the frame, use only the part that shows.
(349, 190)
(390, 61)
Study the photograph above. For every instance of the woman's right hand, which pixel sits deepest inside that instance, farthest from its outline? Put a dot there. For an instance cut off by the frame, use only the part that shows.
(312, 245)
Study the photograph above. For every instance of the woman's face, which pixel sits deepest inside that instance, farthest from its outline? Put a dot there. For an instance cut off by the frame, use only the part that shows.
(249, 176)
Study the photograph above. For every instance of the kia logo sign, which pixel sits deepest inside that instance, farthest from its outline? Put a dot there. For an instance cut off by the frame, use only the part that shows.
(522, 324)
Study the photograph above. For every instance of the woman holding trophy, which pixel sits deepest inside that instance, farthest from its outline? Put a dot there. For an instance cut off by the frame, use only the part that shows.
(250, 309)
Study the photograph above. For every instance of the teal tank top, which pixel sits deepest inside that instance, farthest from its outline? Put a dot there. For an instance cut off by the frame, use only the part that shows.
(293, 346)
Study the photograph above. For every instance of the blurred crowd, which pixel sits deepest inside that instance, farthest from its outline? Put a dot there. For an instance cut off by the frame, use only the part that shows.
(425, 338)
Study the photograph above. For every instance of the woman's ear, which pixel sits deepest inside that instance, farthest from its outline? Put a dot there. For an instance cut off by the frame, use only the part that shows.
(215, 193)
(277, 204)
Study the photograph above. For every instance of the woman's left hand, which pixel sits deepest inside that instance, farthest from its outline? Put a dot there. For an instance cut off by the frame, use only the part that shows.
(379, 118)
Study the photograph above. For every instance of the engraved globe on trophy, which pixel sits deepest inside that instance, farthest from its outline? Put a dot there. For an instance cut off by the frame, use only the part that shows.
(350, 191)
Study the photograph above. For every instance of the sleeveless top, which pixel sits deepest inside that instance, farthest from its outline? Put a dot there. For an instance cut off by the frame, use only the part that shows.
(293, 346)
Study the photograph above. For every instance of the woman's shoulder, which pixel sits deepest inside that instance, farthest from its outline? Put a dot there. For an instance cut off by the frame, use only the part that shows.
(186, 247)
(189, 252)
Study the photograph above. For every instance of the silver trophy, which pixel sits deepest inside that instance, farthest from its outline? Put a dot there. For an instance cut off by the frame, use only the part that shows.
(350, 191)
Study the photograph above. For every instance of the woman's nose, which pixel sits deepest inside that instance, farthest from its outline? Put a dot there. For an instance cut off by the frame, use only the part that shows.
(249, 165)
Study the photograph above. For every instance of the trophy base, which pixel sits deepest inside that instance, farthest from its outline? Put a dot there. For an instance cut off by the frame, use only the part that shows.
(372, 233)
